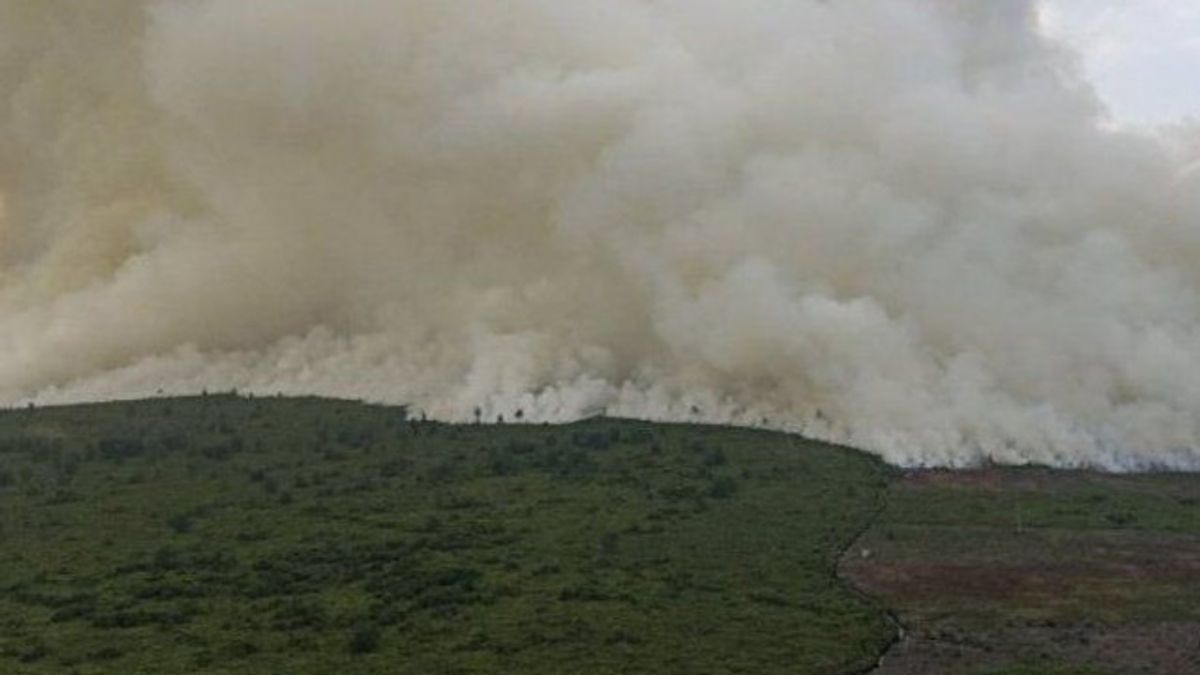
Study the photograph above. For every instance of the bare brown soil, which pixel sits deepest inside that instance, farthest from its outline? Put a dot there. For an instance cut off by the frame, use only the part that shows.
(917, 584)
(1158, 649)
(974, 598)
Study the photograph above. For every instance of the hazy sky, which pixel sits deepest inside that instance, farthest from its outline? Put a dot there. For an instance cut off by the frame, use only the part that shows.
(1143, 55)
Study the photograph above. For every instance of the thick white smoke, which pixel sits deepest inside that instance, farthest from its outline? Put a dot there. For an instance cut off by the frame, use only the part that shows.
(904, 225)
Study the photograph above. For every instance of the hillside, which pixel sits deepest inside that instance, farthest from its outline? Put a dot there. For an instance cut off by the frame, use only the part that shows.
(221, 534)
(229, 535)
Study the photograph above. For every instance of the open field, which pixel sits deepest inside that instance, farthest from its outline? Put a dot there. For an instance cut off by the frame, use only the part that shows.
(220, 534)
(1001, 567)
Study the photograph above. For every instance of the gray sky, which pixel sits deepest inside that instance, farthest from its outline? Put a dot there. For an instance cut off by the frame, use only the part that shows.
(1142, 55)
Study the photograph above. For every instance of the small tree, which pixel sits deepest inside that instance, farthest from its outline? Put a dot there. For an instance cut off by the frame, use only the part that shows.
(364, 639)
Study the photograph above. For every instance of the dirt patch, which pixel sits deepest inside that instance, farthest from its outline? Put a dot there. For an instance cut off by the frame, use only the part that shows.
(936, 584)
(975, 593)
(1158, 649)
(1185, 486)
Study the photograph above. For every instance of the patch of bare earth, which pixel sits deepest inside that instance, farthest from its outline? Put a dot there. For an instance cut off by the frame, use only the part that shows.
(980, 598)
(935, 648)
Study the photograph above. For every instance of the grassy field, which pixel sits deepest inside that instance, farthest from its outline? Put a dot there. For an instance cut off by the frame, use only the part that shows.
(221, 534)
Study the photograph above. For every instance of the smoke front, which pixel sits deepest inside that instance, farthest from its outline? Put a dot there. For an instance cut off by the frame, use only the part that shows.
(904, 225)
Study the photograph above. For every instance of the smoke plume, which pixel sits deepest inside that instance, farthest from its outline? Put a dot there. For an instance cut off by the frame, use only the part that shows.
(903, 225)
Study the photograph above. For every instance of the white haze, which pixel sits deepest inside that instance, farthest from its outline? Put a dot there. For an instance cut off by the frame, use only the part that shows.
(902, 225)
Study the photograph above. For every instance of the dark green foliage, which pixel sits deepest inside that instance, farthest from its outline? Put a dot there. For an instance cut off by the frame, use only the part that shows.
(599, 439)
(364, 639)
(713, 457)
(722, 487)
(180, 523)
(120, 449)
(220, 534)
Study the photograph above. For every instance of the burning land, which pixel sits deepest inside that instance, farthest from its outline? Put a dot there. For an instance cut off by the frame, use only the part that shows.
(657, 304)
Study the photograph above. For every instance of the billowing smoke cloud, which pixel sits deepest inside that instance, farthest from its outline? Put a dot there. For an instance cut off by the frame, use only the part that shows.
(904, 225)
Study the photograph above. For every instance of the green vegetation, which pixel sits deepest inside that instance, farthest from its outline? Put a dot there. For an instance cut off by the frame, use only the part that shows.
(221, 534)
